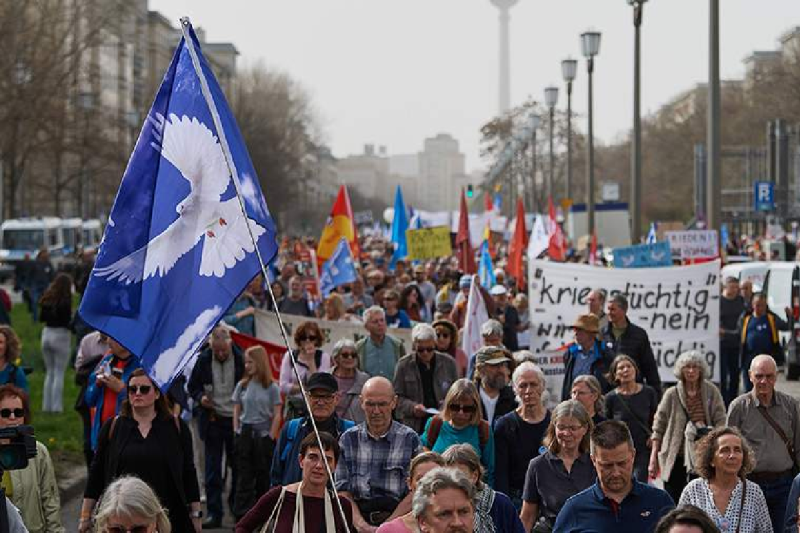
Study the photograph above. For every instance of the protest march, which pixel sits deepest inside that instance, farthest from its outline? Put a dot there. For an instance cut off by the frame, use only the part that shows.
(432, 371)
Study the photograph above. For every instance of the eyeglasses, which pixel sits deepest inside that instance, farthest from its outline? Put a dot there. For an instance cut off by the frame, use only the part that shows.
(6, 413)
(444, 334)
(426, 349)
(348, 355)
(321, 397)
(139, 389)
(305, 338)
(123, 529)
(466, 409)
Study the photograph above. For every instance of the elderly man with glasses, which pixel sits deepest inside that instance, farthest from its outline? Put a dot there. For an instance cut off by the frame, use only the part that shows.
(422, 378)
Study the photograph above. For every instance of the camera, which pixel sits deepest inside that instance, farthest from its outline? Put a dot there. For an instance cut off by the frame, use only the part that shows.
(21, 446)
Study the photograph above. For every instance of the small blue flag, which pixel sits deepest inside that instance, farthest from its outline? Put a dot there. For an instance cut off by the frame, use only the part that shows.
(652, 237)
(498, 202)
(177, 250)
(723, 236)
(399, 227)
(485, 268)
(338, 269)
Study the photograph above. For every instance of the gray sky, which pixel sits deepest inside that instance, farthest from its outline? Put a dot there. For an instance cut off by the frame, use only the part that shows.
(392, 72)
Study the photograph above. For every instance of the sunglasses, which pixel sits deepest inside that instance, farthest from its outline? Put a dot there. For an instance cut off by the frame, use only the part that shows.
(443, 334)
(6, 413)
(139, 389)
(467, 409)
(305, 338)
(422, 349)
(348, 355)
(122, 529)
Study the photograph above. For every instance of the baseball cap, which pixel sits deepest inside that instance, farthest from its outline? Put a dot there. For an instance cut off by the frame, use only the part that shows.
(498, 290)
(492, 355)
(322, 380)
(465, 281)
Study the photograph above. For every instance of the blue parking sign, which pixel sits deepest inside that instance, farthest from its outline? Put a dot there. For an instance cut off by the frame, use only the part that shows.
(764, 196)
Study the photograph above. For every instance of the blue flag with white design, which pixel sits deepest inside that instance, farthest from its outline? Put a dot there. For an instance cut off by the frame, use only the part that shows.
(652, 238)
(485, 268)
(177, 250)
(338, 269)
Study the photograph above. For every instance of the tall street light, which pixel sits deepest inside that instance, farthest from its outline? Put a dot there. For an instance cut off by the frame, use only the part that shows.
(551, 99)
(569, 68)
(534, 126)
(636, 152)
(714, 186)
(590, 44)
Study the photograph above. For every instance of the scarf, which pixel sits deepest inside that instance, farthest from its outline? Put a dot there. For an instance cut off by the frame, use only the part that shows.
(483, 520)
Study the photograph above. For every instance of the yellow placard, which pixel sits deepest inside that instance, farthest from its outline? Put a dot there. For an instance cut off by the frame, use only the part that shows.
(428, 243)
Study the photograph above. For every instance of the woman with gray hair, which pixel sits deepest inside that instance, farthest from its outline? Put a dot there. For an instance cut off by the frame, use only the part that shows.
(493, 510)
(562, 471)
(129, 504)
(586, 389)
(350, 380)
(687, 412)
(518, 434)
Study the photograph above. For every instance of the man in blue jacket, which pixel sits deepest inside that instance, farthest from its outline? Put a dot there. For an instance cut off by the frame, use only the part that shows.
(586, 355)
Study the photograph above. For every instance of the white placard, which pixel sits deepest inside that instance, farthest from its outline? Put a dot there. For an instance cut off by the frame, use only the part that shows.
(677, 306)
(693, 244)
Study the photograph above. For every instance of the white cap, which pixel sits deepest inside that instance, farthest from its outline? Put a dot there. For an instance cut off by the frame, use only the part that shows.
(498, 290)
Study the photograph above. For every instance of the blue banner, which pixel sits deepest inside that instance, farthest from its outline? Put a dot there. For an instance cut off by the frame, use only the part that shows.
(643, 256)
(338, 269)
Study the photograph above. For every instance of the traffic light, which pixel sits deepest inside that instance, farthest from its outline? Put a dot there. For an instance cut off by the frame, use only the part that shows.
(470, 192)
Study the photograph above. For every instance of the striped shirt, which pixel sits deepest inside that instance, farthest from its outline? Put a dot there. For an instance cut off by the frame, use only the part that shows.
(371, 467)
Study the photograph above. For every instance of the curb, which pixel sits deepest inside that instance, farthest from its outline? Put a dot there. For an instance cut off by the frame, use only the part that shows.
(72, 483)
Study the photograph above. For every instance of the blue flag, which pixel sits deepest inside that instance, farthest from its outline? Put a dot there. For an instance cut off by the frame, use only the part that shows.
(177, 250)
(485, 268)
(338, 269)
(498, 202)
(724, 237)
(399, 227)
(652, 237)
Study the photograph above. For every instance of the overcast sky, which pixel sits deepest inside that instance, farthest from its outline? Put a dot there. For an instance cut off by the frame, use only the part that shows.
(392, 72)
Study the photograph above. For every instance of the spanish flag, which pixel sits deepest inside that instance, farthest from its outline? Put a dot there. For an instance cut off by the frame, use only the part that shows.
(340, 224)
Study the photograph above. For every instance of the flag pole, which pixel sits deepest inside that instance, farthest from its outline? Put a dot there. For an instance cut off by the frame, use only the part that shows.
(186, 24)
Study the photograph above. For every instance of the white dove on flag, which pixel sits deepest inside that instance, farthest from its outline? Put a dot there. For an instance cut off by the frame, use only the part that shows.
(194, 150)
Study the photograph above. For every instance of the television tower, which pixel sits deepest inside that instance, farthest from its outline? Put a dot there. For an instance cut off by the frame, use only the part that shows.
(504, 71)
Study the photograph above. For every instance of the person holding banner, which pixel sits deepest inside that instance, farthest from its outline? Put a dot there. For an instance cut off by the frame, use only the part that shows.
(634, 404)
(623, 337)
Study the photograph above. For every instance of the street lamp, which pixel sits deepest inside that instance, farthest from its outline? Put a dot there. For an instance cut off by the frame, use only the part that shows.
(590, 44)
(551, 99)
(534, 126)
(569, 69)
(636, 152)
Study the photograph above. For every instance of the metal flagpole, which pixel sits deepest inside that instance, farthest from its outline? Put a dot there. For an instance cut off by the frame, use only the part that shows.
(223, 141)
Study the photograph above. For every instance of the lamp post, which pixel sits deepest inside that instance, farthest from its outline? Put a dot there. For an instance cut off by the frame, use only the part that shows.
(569, 68)
(534, 126)
(636, 149)
(714, 184)
(551, 99)
(590, 44)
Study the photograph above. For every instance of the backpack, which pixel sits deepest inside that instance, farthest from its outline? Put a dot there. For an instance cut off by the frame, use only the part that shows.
(436, 426)
(293, 427)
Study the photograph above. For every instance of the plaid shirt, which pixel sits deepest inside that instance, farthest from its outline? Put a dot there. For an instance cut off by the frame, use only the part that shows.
(372, 467)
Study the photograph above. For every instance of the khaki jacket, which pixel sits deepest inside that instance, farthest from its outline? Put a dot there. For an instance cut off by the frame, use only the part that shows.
(35, 493)
(669, 425)
(408, 386)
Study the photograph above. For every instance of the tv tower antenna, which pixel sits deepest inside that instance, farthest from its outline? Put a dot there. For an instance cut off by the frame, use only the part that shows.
(504, 70)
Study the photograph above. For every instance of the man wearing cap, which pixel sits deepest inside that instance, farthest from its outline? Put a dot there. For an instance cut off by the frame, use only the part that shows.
(507, 315)
(493, 368)
(422, 378)
(323, 395)
(379, 352)
(586, 355)
(491, 335)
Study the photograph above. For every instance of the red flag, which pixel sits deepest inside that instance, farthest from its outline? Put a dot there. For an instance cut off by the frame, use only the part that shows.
(340, 224)
(593, 250)
(488, 204)
(274, 351)
(519, 244)
(557, 249)
(466, 257)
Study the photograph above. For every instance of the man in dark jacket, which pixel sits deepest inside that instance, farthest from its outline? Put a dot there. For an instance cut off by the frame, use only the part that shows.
(323, 391)
(216, 373)
(586, 355)
(623, 337)
(493, 368)
(759, 335)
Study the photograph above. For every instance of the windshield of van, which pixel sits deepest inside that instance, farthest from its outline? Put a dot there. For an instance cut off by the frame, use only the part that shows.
(23, 239)
(780, 290)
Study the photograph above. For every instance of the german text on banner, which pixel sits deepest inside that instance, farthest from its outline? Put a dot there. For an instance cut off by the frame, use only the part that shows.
(677, 306)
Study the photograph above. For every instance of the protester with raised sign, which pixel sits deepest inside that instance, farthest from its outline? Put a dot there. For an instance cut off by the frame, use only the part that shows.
(586, 355)
(770, 421)
(379, 352)
(634, 404)
(687, 412)
(759, 335)
(623, 337)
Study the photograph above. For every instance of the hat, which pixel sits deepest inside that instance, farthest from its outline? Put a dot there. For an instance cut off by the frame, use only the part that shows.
(419, 269)
(587, 322)
(492, 355)
(465, 281)
(498, 290)
(322, 380)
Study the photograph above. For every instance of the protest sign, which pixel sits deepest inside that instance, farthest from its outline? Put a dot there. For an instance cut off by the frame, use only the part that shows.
(428, 243)
(267, 329)
(643, 256)
(693, 244)
(677, 306)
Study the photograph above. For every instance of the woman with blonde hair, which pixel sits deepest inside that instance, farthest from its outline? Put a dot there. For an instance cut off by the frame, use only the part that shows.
(129, 504)
(256, 421)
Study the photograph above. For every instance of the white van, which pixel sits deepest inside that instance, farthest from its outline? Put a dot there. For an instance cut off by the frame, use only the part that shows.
(92, 234)
(782, 288)
(26, 236)
(72, 229)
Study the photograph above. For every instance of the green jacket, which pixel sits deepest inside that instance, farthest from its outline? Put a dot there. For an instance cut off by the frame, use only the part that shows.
(35, 493)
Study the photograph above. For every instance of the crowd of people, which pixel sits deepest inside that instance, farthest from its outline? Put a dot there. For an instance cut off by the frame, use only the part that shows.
(418, 436)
